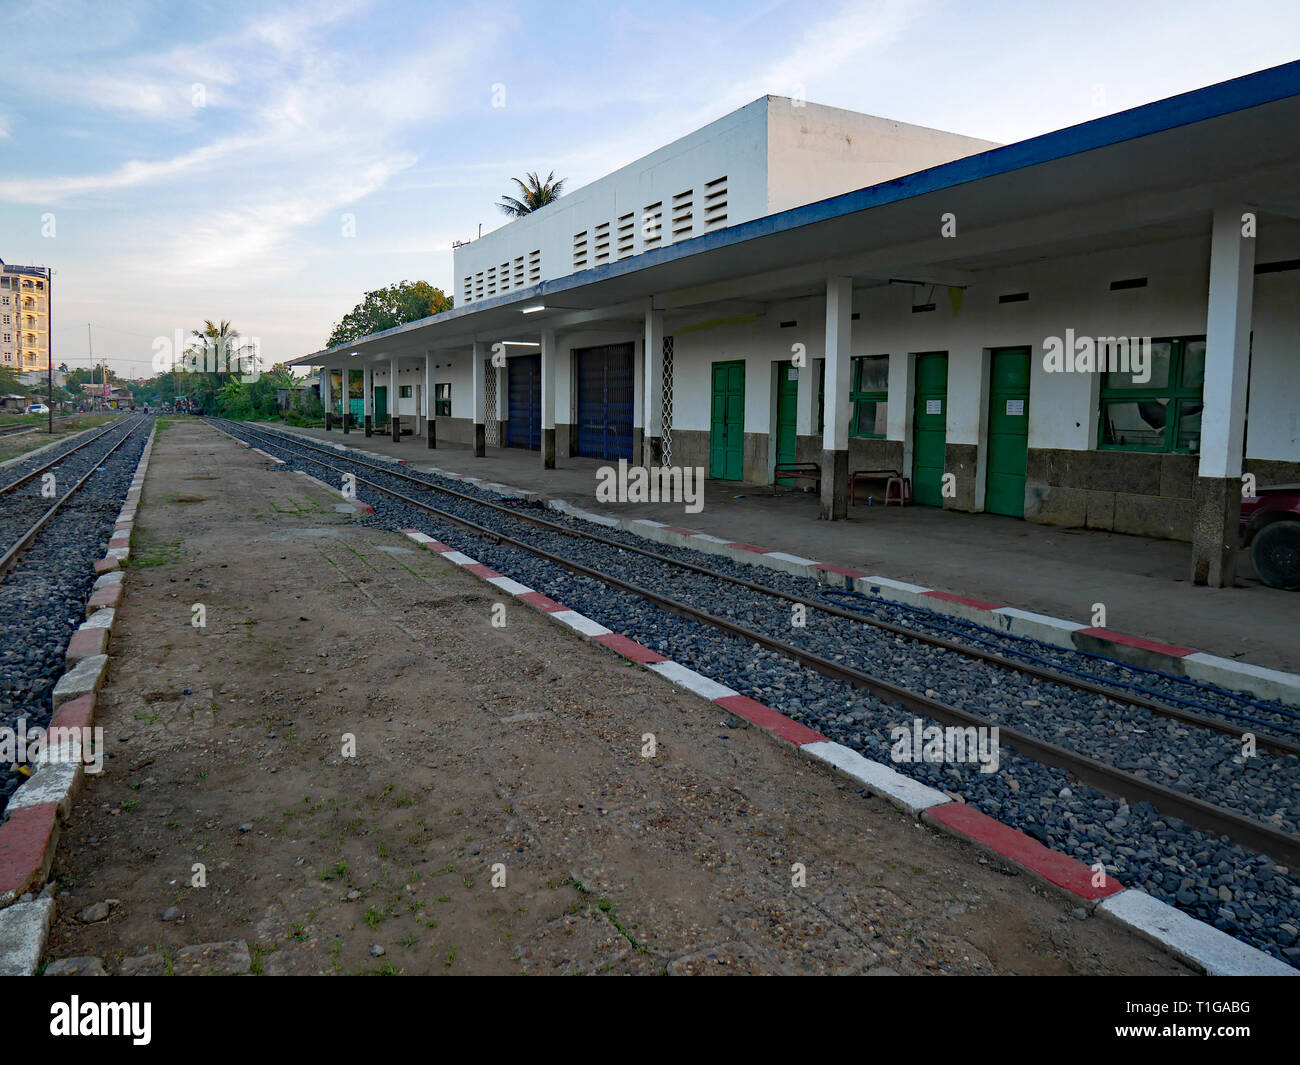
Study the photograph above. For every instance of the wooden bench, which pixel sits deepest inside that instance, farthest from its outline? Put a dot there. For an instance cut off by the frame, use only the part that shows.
(891, 479)
(799, 471)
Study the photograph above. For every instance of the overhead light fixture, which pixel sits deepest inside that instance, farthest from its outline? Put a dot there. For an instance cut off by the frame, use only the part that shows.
(355, 354)
(534, 309)
(521, 343)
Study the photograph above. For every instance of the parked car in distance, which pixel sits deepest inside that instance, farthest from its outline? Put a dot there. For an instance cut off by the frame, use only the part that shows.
(1270, 528)
(37, 408)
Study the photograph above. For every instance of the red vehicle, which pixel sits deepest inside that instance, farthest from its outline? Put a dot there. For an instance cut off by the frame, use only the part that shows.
(1270, 528)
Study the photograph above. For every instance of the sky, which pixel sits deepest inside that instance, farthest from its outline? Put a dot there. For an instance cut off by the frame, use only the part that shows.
(269, 163)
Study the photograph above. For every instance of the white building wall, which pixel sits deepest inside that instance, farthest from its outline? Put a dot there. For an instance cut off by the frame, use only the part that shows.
(814, 152)
(1069, 293)
(1273, 426)
(768, 156)
(733, 148)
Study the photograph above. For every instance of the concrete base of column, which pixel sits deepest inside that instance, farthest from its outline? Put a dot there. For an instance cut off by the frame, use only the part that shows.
(346, 418)
(835, 481)
(396, 423)
(548, 449)
(652, 450)
(431, 434)
(327, 421)
(370, 425)
(1217, 511)
(480, 440)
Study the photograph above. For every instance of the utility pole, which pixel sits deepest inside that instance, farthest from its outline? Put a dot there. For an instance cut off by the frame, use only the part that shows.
(90, 346)
(49, 342)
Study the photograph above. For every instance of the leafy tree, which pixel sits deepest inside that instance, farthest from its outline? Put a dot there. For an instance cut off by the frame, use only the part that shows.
(9, 382)
(536, 193)
(385, 308)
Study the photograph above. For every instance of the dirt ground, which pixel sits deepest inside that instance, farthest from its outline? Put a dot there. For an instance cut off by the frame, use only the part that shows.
(519, 748)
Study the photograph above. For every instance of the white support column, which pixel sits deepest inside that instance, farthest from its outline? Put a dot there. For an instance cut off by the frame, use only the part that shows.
(479, 357)
(653, 390)
(1223, 418)
(430, 418)
(549, 353)
(325, 394)
(394, 391)
(835, 438)
(805, 420)
(368, 398)
(345, 397)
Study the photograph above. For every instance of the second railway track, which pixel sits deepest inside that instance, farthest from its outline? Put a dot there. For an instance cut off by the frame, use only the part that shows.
(1264, 791)
(1206, 815)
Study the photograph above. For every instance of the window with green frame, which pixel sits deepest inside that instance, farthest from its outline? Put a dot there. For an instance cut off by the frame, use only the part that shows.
(870, 396)
(1160, 414)
(442, 401)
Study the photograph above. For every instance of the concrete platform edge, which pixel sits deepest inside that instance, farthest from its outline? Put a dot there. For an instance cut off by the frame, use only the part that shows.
(37, 808)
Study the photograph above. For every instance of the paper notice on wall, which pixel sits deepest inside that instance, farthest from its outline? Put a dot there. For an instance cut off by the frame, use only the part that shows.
(791, 374)
(1015, 408)
(934, 406)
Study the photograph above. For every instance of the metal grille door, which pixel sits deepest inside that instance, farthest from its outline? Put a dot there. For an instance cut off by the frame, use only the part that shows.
(524, 424)
(605, 401)
(491, 427)
(668, 402)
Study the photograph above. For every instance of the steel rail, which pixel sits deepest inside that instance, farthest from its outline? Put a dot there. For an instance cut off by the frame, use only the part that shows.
(1278, 744)
(1117, 783)
(10, 558)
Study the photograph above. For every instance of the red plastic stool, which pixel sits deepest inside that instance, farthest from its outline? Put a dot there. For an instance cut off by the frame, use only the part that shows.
(904, 493)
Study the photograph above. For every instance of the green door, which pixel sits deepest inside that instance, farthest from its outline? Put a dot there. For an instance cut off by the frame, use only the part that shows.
(787, 408)
(1008, 432)
(930, 428)
(381, 404)
(727, 428)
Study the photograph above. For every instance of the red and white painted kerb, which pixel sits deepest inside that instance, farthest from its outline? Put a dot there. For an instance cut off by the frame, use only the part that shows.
(36, 810)
(1197, 943)
(1071, 635)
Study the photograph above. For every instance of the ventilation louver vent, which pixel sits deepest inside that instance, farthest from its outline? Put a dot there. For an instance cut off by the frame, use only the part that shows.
(652, 225)
(683, 215)
(715, 203)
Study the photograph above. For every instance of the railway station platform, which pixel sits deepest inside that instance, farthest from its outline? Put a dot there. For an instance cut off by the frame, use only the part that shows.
(1061, 572)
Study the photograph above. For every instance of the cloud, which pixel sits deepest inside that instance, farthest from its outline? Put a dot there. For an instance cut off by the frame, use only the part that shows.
(250, 239)
(135, 172)
(834, 45)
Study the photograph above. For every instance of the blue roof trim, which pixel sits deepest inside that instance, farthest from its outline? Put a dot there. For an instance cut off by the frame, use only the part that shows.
(1198, 105)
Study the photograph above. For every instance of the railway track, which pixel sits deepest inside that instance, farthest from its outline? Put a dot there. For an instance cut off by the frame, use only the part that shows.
(18, 482)
(15, 544)
(43, 592)
(1107, 778)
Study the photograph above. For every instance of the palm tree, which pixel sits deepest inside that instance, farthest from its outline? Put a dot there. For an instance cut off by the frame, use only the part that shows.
(536, 194)
(214, 338)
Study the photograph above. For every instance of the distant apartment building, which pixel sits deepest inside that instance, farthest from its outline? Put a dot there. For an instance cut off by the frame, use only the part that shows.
(24, 317)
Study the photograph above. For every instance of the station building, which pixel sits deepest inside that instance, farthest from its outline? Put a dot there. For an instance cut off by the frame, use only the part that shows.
(1098, 327)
